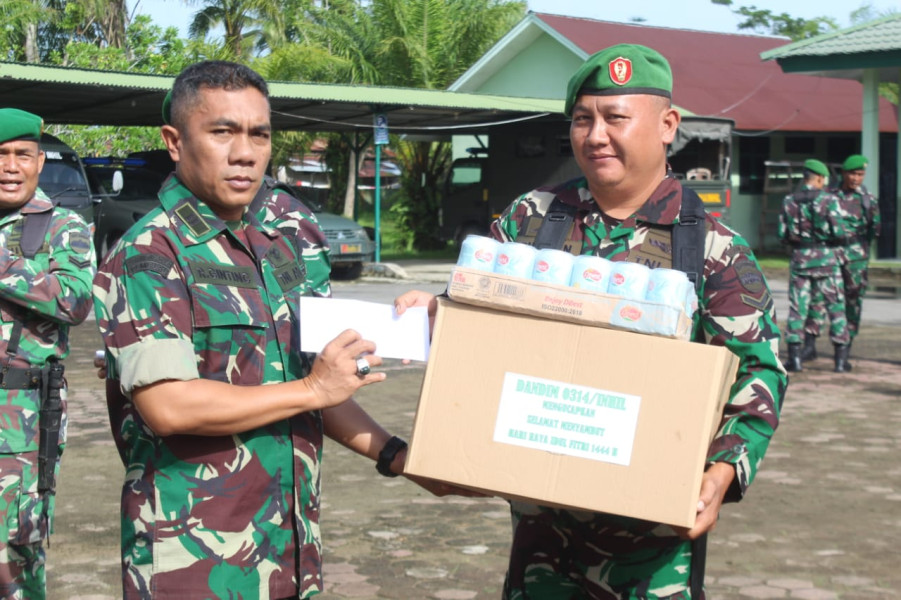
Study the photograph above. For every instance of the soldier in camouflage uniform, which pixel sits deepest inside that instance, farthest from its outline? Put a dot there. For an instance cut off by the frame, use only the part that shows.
(40, 297)
(857, 223)
(220, 419)
(807, 225)
(627, 205)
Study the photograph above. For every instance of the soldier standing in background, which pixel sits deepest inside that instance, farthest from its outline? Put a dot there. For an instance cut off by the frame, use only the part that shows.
(857, 226)
(46, 267)
(807, 225)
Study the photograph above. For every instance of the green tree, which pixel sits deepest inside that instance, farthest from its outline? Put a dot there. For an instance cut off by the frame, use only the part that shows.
(766, 21)
(417, 216)
(148, 48)
(100, 21)
(24, 25)
(244, 24)
(408, 43)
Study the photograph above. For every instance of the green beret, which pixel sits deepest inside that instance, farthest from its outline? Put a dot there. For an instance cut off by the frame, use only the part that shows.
(17, 124)
(855, 162)
(618, 70)
(818, 167)
(167, 108)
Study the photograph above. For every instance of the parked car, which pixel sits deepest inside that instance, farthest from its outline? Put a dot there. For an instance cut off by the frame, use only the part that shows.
(121, 204)
(349, 244)
(63, 177)
(142, 177)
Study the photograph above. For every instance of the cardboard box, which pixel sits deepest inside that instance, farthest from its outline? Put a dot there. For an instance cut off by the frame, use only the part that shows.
(568, 415)
(524, 296)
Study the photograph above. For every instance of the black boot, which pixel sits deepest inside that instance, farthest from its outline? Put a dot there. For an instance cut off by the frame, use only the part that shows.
(793, 364)
(841, 358)
(809, 351)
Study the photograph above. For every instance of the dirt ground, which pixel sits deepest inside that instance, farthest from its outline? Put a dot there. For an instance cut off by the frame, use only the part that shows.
(822, 520)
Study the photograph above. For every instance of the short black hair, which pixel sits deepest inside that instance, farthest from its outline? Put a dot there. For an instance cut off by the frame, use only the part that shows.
(211, 74)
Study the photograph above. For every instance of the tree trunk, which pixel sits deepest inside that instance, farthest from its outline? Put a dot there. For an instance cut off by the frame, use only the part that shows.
(351, 192)
(31, 43)
(114, 23)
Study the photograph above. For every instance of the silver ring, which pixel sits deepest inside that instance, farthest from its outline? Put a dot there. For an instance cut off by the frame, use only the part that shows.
(363, 367)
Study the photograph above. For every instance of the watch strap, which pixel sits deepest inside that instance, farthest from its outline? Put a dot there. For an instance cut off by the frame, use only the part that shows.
(387, 454)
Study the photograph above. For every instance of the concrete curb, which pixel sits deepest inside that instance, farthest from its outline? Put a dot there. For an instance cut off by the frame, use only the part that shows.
(389, 270)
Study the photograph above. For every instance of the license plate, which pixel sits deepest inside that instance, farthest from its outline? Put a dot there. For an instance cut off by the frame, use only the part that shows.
(351, 248)
(711, 198)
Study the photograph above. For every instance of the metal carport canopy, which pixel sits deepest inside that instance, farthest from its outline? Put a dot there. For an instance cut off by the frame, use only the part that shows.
(62, 95)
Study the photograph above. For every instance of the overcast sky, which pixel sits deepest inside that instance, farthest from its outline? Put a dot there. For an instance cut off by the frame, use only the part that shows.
(703, 14)
(682, 14)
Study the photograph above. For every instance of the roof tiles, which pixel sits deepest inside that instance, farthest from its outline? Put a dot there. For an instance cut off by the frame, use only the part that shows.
(722, 75)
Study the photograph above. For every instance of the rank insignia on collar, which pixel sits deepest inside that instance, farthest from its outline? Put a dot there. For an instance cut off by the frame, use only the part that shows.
(620, 70)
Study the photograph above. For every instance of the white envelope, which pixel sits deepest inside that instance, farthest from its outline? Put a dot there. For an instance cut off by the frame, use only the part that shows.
(405, 336)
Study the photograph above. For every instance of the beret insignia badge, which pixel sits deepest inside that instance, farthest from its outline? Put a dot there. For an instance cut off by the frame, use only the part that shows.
(620, 70)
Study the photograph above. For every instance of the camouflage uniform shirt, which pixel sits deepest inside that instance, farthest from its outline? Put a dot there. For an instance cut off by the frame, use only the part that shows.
(857, 222)
(46, 295)
(565, 553)
(184, 296)
(808, 226)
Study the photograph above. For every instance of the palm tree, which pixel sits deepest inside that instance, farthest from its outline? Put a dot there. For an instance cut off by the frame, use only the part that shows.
(244, 23)
(407, 43)
(21, 21)
(414, 43)
(103, 21)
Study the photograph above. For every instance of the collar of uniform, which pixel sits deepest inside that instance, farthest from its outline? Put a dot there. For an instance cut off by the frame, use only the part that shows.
(253, 218)
(39, 203)
(662, 207)
(859, 192)
(195, 221)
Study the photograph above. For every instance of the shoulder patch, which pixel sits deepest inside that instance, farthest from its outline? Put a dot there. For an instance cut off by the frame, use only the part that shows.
(749, 276)
(155, 263)
(80, 242)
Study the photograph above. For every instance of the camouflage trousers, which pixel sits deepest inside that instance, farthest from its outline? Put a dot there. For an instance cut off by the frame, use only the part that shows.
(574, 555)
(855, 280)
(23, 528)
(802, 288)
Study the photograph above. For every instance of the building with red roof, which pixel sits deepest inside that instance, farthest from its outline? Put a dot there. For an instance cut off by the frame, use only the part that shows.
(778, 116)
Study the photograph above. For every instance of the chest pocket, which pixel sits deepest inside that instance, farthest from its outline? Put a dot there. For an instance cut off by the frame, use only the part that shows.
(231, 322)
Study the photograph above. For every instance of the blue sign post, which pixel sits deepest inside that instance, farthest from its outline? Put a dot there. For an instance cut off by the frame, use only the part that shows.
(380, 124)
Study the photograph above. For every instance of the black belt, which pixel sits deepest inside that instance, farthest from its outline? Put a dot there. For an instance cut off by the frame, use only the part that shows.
(13, 378)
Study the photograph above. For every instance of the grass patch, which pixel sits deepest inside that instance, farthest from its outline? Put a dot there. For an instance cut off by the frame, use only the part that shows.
(393, 255)
(773, 261)
(392, 247)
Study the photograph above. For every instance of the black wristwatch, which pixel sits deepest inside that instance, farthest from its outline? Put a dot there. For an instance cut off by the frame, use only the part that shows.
(386, 456)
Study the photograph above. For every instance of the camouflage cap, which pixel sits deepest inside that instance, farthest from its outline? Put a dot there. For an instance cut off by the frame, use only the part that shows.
(816, 166)
(855, 162)
(618, 70)
(18, 124)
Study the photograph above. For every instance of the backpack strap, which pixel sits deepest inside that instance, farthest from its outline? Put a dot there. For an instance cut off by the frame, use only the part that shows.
(34, 229)
(555, 226)
(689, 236)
